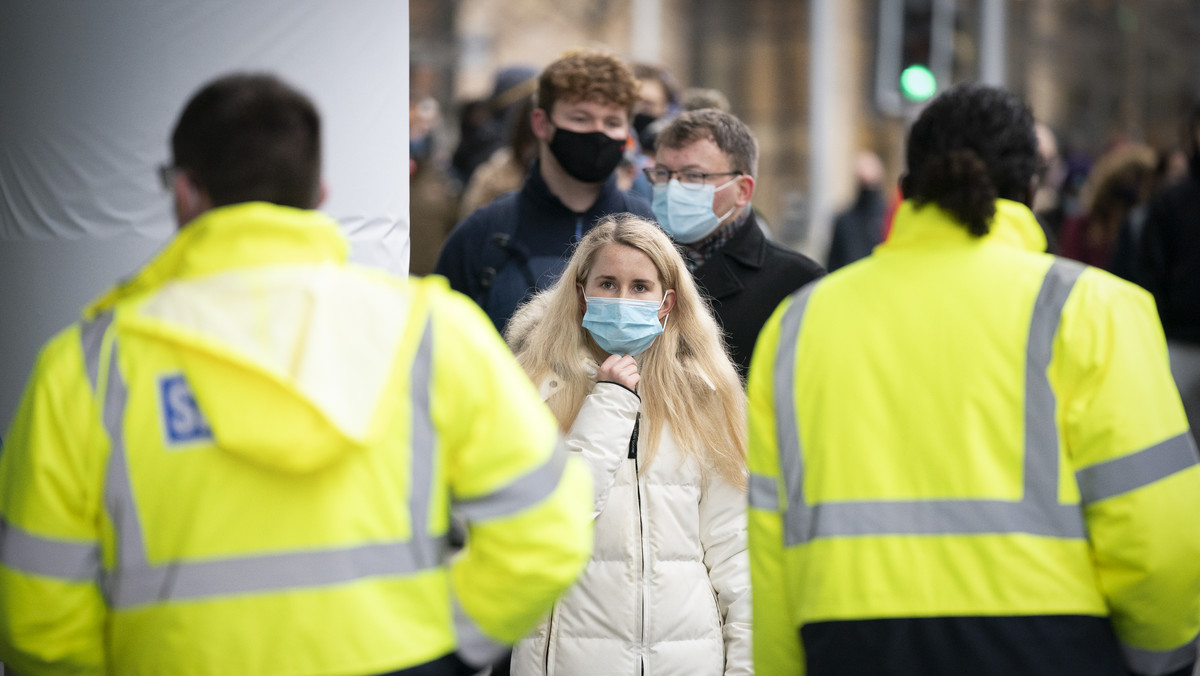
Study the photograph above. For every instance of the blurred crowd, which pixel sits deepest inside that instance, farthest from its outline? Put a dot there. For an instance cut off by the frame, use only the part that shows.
(1122, 208)
(1093, 205)
(451, 174)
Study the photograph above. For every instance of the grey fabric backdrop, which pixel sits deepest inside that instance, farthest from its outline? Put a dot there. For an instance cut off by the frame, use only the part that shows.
(88, 94)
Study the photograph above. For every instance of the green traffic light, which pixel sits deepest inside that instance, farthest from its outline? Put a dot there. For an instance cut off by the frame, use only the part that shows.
(917, 83)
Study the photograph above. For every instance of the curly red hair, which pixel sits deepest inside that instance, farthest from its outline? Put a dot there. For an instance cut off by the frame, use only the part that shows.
(587, 75)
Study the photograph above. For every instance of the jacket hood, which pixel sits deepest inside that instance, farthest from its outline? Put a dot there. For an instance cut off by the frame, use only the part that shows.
(287, 351)
(1013, 225)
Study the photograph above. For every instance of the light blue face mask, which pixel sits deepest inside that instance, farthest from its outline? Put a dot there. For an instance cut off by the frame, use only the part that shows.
(686, 214)
(622, 325)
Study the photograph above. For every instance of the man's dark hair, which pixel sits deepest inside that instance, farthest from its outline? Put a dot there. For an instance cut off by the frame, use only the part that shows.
(725, 130)
(250, 137)
(972, 145)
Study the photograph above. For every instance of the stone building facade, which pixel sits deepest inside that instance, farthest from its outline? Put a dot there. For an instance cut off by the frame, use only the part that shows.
(1096, 71)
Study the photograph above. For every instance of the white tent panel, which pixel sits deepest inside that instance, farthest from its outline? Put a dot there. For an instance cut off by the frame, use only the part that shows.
(88, 94)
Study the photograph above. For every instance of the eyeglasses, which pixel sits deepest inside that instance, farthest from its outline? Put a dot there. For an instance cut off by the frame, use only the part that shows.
(689, 178)
(166, 176)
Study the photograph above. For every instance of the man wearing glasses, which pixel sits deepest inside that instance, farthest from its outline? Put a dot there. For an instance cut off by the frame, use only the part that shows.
(703, 181)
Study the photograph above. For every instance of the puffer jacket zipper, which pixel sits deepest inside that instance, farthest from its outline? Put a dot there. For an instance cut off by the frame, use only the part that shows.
(637, 484)
(549, 638)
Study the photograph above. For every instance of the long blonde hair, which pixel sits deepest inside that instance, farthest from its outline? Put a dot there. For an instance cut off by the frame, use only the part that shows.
(687, 379)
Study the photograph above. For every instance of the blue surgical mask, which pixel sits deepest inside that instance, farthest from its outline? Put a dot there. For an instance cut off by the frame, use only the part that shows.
(622, 325)
(686, 213)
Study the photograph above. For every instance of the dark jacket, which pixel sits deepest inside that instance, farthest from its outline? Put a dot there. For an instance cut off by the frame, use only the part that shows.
(1169, 257)
(746, 279)
(858, 229)
(521, 242)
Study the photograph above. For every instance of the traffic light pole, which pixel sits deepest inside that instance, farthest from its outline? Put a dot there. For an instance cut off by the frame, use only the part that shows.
(992, 52)
(914, 52)
(822, 118)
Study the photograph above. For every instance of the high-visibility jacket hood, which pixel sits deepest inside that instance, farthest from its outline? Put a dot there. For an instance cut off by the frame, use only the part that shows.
(284, 352)
(1013, 224)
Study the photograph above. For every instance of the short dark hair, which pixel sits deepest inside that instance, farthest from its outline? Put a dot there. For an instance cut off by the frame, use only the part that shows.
(972, 145)
(649, 71)
(730, 135)
(250, 137)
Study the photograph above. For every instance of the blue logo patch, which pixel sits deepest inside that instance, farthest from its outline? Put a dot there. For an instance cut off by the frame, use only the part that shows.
(182, 418)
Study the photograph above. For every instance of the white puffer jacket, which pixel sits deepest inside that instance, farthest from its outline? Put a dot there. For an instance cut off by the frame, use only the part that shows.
(668, 588)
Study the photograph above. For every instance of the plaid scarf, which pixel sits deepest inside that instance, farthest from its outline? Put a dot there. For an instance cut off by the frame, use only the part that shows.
(696, 254)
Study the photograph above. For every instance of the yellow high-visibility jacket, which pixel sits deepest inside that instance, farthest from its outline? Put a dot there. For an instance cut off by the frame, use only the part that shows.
(961, 433)
(244, 461)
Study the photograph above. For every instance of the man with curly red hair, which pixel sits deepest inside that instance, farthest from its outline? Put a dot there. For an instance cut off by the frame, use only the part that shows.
(519, 243)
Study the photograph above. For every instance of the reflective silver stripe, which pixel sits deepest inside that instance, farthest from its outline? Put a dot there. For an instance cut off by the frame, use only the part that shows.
(944, 517)
(521, 494)
(1153, 662)
(1041, 425)
(91, 339)
(1038, 512)
(424, 445)
(178, 580)
(119, 500)
(1133, 471)
(69, 560)
(474, 647)
(136, 582)
(764, 492)
(796, 518)
(118, 497)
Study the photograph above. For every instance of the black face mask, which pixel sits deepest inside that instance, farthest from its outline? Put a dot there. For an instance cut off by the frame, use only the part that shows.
(641, 121)
(589, 157)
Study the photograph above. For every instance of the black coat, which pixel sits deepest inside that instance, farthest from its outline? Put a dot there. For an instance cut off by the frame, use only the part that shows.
(746, 279)
(1169, 257)
(858, 229)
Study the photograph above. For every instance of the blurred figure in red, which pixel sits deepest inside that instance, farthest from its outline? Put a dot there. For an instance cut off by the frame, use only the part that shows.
(1120, 181)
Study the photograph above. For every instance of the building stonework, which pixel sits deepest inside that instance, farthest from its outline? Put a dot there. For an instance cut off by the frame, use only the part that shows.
(1095, 71)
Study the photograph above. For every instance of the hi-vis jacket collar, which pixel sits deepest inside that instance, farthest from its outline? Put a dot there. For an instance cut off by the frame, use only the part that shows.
(1013, 225)
(202, 246)
(280, 344)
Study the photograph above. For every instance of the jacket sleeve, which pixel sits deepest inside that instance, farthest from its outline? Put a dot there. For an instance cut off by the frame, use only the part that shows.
(525, 500)
(454, 261)
(52, 614)
(723, 537)
(601, 436)
(1136, 470)
(776, 646)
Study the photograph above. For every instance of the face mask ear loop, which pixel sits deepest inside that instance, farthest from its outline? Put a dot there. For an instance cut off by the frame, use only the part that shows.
(726, 184)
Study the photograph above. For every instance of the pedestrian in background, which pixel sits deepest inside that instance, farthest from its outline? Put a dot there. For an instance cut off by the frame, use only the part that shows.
(705, 171)
(1168, 266)
(625, 338)
(1116, 188)
(859, 228)
(967, 456)
(505, 170)
(243, 459)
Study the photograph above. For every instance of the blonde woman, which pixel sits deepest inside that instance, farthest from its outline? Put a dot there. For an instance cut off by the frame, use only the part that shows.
(631, 362)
